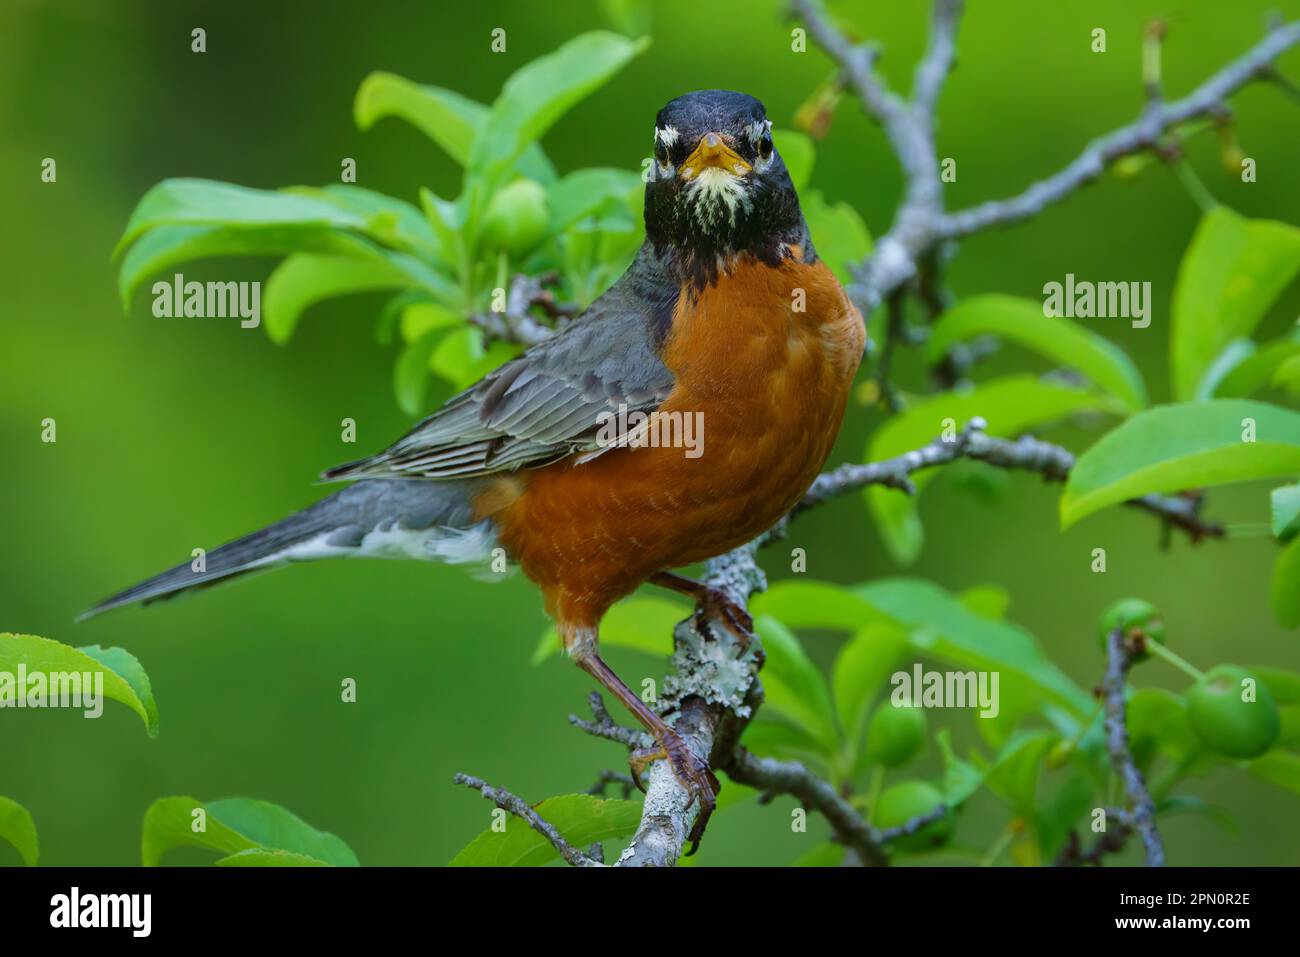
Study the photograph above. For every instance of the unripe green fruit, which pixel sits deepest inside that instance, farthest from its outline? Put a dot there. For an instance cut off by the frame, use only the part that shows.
(1225, 723)
(1128, 614)
(907, 800)
(895, 735)
(517, 218)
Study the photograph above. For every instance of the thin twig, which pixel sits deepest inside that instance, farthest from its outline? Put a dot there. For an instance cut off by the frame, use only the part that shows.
(606, 727)
(1119, 656)
(1025, 453)
(521, 809)
(517, 323)
(791, 777)
(1144, 133)
(606, 778)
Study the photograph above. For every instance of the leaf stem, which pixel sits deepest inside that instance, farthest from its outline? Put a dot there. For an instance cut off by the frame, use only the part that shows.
(1195, 188)
(1182, 664)
(1000, 845)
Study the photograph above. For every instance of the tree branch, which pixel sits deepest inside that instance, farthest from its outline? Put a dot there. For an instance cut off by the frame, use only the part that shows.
(517, 323)
(938, 60)
(1026, 453)
(1119, 656)
(714, 689)
(791, 777)
(521, 809)
(1144, 133)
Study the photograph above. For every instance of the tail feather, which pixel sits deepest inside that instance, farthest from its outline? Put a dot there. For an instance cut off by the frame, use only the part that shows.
(406, 518)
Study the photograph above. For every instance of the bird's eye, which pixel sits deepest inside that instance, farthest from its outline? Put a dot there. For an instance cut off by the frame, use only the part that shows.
(765, 146)
(661, 154)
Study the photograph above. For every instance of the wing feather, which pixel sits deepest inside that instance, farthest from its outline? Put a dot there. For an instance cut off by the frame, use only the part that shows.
(550, 401)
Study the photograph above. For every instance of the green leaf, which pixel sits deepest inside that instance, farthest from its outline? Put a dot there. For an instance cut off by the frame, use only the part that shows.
(540, 93)
(1190, 804)
(640, 622)
(772, 735)
(1257, 370)
(941, 627)
(582, 193)
(961, 779)
(124, 679)
(793, 684)
(411, 373)
(1009, 405)
(798, 153)
(273, 827)
(449, 119)
(1289, 717)
(1284, 591)
(462, 359)
(203, 202)
(167, 246)
(838, 233)
(263, 857)
(1283, 685)
(1231, 274)
(233, 826)
(823, 855)
(1013, 775)
(387, 220)
(170, 823)
(1158, 724)
(305, 279)
(1284, 506)
(987, 601)
(806, 603)
(1060, 812)
(581, 819)
(1059, 340)
(18, 828)
(1173, 447)
(1286, 373)
(127, 667)
(862, 667)
(1280, 768)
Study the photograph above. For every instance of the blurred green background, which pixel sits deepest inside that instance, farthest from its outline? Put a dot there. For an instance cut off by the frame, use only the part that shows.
(176, 433)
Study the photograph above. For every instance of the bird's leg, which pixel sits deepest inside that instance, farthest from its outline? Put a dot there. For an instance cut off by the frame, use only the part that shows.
(688, 768)
(710, 602)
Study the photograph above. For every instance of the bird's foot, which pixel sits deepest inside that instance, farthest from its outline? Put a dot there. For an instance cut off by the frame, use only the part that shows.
(713, 603)
(694, 774)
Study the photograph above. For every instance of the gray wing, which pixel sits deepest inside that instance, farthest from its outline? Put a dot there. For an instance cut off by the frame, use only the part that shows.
(552, 400)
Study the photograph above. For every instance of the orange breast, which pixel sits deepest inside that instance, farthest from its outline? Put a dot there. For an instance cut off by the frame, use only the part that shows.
(764, 360)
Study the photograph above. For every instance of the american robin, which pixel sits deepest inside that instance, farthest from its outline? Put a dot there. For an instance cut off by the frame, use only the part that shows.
(726, 329)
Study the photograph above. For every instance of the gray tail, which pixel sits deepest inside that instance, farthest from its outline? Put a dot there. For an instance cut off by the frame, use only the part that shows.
(427, 520)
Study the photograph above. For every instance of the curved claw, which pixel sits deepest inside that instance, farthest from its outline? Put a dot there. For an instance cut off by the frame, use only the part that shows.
(714, 603)
(695, 775)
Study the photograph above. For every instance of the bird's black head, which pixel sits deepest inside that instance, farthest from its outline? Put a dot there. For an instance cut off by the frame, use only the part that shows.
(717, 186)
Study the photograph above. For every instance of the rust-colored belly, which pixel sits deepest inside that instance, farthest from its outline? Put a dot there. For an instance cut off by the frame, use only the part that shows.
(767, 384)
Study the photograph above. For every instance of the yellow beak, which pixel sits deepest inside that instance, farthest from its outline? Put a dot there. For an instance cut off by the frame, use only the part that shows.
(713, 151)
